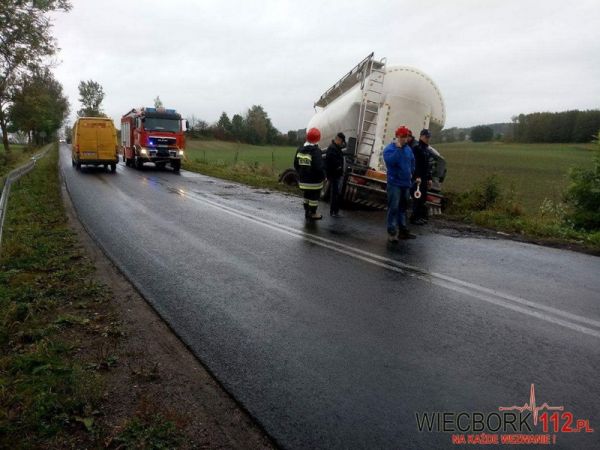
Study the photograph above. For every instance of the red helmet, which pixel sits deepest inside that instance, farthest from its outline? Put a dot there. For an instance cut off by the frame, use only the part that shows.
(313, 135)
(402, 132)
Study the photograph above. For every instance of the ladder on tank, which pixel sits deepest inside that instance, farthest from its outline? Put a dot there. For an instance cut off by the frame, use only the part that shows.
(372, 86)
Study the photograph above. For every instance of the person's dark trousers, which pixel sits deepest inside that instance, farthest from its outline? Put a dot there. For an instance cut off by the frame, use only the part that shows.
(419, 206)
(311, 200)
(335, 191)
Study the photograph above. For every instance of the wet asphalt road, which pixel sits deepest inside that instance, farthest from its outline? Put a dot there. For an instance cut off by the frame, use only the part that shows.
(332, 338)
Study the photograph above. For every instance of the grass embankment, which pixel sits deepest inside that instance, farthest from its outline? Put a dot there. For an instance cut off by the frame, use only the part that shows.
(58, 332)
(18, 156)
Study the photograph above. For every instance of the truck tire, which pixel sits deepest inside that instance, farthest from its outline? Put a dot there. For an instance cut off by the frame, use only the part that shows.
(289, 177)
(176, 165)
(78, 166)
(113, 167)
(138, 163)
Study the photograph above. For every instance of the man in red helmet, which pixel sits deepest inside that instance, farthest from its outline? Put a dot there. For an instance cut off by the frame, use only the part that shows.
(308, 162)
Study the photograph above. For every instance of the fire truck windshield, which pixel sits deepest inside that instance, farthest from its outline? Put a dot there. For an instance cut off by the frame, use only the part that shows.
(156, 124)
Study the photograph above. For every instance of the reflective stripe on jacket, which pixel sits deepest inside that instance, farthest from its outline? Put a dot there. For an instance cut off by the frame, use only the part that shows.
(308, 162)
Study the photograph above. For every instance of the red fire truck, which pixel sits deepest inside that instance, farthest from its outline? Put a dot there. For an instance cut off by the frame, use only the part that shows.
(152, 135)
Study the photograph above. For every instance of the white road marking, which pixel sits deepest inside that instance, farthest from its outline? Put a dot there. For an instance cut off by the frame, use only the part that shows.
(514, 303)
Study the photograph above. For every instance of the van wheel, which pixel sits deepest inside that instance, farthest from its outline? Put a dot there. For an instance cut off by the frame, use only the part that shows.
(113, 167)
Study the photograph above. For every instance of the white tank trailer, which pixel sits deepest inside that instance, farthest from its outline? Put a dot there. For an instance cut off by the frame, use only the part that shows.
(368, 104)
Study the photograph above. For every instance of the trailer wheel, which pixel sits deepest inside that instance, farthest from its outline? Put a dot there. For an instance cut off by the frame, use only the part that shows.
(289, 177)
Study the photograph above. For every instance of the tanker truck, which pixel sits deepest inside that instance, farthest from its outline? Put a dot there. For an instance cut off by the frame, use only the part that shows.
(367, 105)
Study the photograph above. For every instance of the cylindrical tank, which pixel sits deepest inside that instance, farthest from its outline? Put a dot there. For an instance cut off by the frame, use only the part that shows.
(408, 97)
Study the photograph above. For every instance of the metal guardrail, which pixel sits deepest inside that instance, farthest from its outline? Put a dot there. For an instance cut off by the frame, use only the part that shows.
(13, 176)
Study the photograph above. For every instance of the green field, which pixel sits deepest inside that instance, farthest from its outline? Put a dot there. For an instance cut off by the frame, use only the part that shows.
(227, 153)
(535, 171)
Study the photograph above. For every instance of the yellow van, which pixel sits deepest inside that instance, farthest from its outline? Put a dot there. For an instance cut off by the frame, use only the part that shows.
(94, 143)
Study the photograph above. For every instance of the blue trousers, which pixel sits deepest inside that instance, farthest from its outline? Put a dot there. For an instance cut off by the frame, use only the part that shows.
(397, 202)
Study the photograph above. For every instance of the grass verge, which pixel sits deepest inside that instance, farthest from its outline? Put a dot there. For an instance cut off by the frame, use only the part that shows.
(58, 331)
(18, 156)
(252, 174)
(490, 205)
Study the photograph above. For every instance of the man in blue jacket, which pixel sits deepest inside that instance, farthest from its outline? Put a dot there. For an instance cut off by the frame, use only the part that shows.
(400, 163)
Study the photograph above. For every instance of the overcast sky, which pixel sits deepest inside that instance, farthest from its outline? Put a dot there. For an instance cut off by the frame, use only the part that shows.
(491, 59)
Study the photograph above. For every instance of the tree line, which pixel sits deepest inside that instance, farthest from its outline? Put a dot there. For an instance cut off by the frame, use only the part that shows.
(566, 126)
(253, 127)
(543, 127)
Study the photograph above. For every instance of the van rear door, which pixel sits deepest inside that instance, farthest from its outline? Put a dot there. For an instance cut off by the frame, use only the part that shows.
(106, 141)
(87, 139)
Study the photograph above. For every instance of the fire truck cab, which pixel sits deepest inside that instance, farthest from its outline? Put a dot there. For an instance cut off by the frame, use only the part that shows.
(152, 135)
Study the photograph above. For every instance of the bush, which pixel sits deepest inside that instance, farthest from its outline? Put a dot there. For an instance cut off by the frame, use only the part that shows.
(480, 198)
(482, 133)
(584, 196)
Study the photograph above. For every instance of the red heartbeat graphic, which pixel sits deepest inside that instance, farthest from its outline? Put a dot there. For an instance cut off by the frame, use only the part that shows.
(531, 406)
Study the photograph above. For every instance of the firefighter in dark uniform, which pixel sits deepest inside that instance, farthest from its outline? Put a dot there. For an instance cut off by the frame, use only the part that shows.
(422, 176)
(308, 162)
(334, 168)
